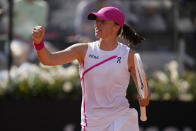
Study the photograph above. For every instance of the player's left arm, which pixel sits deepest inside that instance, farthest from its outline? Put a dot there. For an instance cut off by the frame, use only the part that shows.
(131, 67)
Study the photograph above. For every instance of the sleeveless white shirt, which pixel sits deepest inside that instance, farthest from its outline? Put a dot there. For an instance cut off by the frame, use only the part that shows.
(104, 79)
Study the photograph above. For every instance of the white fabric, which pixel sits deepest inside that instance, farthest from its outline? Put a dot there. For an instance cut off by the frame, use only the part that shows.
(104, 87)
(128, 121)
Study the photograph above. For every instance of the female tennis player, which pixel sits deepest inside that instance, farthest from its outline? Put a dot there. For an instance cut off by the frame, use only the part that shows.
(105, 68)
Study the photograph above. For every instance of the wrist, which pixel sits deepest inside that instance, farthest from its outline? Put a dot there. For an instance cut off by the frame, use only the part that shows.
(38, 46)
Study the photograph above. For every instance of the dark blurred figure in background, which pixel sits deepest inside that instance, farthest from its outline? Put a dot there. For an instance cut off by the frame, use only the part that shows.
(186, 27)
(1, 12)
(146, 16)
(3, 7)
(1, 16)
(27, 14)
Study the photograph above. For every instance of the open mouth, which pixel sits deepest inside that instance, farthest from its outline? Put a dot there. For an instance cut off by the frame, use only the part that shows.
(97, 31)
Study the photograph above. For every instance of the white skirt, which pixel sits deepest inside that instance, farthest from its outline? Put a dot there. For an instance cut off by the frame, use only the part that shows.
(128, 121)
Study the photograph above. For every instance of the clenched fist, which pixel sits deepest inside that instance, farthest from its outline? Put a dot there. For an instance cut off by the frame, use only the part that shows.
(38, 33)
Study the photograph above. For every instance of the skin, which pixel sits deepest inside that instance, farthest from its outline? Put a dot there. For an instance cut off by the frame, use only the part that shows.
(105, 30)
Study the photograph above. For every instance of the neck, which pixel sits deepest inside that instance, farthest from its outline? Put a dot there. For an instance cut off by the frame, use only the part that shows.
(108, 44)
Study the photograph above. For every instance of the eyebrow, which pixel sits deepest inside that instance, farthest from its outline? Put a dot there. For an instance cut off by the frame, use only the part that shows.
(97, 19)
(104, 20)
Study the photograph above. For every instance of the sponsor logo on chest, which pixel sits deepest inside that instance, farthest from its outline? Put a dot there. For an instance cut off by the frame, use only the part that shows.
(118, 59)
(93, 56)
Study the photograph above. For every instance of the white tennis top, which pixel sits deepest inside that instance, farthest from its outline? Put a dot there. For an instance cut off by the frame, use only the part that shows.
(104, 79)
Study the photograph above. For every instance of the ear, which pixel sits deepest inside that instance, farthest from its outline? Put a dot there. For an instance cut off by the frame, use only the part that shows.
(117, 28)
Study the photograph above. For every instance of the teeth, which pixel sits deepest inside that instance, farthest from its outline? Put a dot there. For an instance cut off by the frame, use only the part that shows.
(97, 31)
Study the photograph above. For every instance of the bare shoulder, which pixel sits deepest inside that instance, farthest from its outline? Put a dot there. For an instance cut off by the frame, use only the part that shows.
(131, 59)
(131, 53)
(81, 49)
(79, 46)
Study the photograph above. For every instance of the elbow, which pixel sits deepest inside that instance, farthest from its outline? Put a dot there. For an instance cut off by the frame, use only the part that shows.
(47, 63)
(45, 60)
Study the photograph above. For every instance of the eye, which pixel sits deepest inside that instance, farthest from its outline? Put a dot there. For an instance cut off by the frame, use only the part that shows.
(102, 22)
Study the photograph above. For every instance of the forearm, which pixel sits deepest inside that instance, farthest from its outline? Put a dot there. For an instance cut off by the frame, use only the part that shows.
(55, 58)
(60, 57)
(133, 75)
(45, 56)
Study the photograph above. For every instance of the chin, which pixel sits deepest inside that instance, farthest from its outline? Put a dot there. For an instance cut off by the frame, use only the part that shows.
(97, 35)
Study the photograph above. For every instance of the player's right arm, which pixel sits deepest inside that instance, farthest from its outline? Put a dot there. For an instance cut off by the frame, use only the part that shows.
(76, 51)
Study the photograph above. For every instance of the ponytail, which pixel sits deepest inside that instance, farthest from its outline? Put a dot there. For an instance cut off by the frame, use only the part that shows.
(130, 35)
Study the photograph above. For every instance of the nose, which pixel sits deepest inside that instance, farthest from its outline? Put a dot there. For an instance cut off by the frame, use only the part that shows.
(97, 24)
